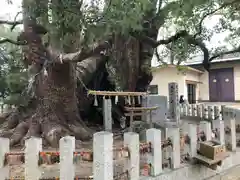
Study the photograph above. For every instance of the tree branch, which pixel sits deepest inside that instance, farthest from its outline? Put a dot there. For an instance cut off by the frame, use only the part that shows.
(181, 34)
(158, 57)
(79, 55)
(211, 13)
(11, 23)
(155, 43)
(6, 40)
(224, 53)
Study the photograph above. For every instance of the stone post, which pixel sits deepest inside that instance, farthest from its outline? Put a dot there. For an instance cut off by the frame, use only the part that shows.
(185, 109)
(33, 147)
(189, 110)
(4, 148)
(107, 114)
(211, 113)
(174, 112)
(199, 110)
(217, 112)
(155, 158)
(131, 140)
(230, 120)
(67, 148)
(103, 156)
(205, 112)
(174, 135)
(194, 110)
(192, 129)
(206, 128)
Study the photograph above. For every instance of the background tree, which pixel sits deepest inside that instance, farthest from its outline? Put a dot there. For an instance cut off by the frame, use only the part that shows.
(71, 46)
(13, 75)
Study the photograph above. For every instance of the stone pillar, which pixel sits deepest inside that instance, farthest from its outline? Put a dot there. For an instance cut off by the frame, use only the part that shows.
(194, 110)
(181, 109)
(155, 158)
(189, 110)
(67, 148)
(218, 127)
(221, 132)
(174, 113)
(32, 148)
(103, 156)
(159, 115)
(199, 110)
(230, 121)
(4, 148)
(205, 112)
(174, 135)
(185, 109)
(206, 128)
(217, 112)
(131, 140)
(192, 129)
(211, 113)
(223, 111)
(107, 114)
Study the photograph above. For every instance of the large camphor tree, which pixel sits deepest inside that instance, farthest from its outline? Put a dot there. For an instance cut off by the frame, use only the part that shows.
(70, 46)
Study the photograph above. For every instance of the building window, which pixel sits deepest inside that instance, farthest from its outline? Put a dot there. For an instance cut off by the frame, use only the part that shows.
(153, 89)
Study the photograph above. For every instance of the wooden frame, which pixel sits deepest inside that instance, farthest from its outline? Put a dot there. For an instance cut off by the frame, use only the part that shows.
(133, 111)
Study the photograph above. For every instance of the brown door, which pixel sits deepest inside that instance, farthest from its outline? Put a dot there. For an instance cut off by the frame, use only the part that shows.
(221, 85)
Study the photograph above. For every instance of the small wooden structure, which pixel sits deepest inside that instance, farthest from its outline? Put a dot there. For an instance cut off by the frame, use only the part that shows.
(107, 106)
(139, 111)
(211, 154)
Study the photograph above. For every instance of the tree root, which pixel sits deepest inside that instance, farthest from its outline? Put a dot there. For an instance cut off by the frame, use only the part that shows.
(51, 129)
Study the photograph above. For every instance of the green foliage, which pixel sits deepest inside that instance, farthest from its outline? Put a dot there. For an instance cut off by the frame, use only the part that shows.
(13, 77)
(73, 24)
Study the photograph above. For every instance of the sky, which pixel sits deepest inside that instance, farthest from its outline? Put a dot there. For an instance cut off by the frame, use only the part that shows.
(9, 11)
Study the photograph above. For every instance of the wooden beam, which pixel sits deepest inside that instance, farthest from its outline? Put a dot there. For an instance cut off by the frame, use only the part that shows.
(135, 114)
(141, 108)
(116, 93)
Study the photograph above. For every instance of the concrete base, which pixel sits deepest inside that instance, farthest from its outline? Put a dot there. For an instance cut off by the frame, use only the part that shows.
(199, 172)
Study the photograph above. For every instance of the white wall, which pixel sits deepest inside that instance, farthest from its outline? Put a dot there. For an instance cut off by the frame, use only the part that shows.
(163, 76)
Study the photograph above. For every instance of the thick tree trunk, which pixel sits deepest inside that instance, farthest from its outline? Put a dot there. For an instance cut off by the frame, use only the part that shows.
(56, 108)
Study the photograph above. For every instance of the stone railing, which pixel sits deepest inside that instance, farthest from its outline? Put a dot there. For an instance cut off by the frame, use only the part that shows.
(202, 111)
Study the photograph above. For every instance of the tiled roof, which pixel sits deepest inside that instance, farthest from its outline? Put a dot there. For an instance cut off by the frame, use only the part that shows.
(228, 57)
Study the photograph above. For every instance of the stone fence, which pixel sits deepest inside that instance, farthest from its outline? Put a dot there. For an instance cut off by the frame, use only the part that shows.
(202, 111)
(104, 153)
